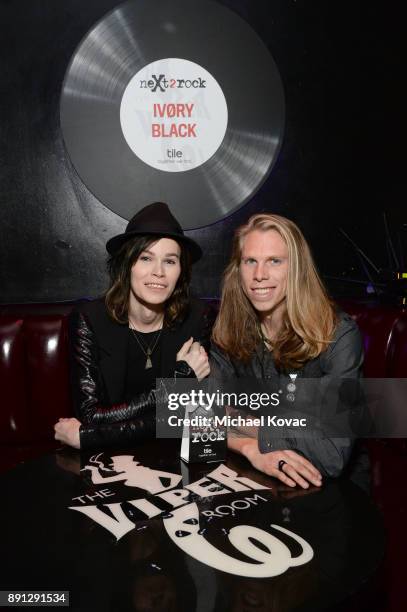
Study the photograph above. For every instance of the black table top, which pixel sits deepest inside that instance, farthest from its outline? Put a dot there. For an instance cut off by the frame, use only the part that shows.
(113, 533)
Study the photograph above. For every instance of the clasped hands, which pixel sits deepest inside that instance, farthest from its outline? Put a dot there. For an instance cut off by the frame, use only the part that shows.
(196, 357)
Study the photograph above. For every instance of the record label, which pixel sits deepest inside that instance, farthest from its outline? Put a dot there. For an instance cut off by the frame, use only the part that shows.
(173, 115)
(179, 102)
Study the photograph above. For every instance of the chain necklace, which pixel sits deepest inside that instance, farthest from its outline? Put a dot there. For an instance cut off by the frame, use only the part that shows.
(265, 339)
(147, 350)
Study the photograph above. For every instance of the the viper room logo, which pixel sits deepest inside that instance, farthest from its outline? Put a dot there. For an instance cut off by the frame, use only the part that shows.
(182, 521)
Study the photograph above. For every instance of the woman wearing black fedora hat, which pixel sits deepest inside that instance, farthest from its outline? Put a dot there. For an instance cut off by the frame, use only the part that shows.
(145, 327)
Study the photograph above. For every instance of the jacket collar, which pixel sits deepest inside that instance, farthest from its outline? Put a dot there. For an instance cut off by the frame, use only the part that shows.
(113, 341)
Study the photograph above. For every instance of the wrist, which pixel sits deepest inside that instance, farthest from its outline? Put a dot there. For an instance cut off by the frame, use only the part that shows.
(183, 370)
(249, 446)
(245, 446)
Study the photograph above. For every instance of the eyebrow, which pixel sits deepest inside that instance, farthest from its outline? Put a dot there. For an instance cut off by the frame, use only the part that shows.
(267, 257)
(166, 255)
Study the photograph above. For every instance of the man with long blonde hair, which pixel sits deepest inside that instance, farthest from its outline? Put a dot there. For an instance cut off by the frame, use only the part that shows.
(277, 322)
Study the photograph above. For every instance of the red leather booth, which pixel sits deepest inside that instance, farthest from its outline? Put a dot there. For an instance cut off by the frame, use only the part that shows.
(34, 373)
(34, 378)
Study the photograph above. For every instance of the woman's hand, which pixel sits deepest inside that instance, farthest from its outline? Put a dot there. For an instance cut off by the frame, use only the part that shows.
(196, 357)
(67, 432)
(296, 471)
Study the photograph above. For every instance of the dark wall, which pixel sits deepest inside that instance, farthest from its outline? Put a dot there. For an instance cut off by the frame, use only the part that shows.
(340, 163)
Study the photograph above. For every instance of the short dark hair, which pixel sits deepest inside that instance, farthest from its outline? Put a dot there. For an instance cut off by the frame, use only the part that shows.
(119, 267)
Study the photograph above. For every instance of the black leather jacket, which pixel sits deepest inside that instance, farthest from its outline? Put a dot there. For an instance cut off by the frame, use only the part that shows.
(96, 387)
(343, 359)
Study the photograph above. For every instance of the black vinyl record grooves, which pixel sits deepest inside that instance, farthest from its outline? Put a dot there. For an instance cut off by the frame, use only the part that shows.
(175, 101)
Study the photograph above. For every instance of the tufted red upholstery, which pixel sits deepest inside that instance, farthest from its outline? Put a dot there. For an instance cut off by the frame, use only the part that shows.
(13, 413)
(33, 378)
(34, 375)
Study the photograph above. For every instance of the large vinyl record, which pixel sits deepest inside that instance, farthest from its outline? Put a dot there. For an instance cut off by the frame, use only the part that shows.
(176, 101)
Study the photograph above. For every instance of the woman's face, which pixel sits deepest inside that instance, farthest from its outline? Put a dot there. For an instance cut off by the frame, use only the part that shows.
(156, 272)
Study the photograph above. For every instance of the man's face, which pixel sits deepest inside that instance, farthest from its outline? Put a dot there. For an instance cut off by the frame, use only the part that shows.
(263, 270)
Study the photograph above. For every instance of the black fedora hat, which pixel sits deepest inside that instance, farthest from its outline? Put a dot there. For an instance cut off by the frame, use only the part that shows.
(155, 219)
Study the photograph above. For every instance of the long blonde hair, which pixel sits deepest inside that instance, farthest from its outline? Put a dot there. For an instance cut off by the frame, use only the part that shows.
(309, 320)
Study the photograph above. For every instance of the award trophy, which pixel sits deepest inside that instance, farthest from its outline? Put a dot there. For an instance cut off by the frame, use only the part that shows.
(204, 436)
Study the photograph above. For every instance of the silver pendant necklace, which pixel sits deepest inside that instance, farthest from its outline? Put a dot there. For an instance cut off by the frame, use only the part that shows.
(148, 351)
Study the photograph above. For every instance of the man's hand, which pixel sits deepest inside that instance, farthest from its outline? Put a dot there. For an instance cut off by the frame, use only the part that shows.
(67, 432)
(296, 470)
(195, 356)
